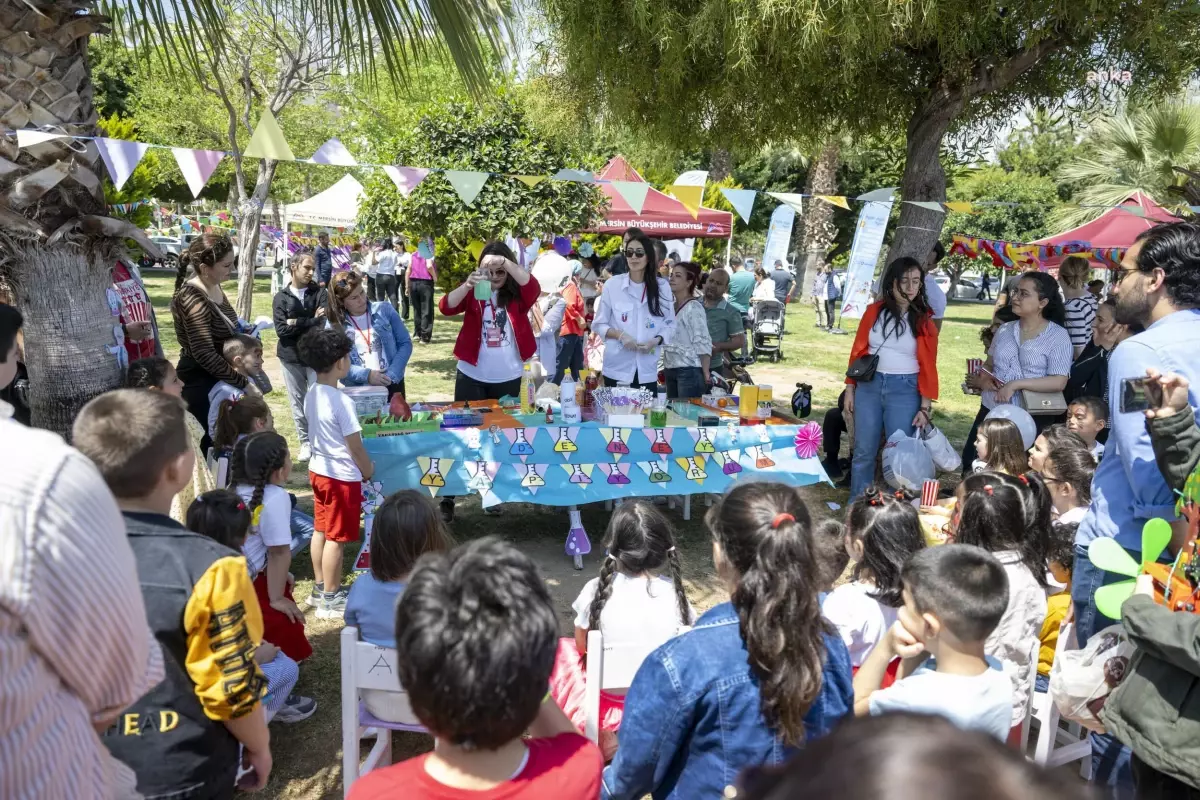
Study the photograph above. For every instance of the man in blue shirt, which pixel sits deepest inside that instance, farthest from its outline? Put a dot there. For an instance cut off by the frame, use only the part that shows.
(1158, 287)
(741, 286)
(324, 258)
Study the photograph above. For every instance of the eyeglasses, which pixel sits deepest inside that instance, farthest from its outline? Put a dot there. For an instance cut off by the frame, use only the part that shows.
(635, 253)
(1021, 294)
(1122, 273)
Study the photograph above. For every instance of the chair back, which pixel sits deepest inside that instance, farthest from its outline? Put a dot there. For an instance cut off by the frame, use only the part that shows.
(611, 666)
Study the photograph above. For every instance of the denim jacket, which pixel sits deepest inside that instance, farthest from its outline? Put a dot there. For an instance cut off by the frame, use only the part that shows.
(390, 341)
(693, 718)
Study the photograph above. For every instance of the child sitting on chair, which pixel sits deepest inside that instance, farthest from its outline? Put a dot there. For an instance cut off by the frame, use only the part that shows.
(1062, 561)
(633, 600)
(476, 632)
(407, 526)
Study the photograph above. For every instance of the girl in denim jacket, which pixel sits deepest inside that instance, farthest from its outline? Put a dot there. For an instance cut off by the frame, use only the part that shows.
(755, 678)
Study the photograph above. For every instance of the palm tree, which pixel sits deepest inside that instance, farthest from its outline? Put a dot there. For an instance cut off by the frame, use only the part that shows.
(57, 242)
(1129, 152)
(819, 230)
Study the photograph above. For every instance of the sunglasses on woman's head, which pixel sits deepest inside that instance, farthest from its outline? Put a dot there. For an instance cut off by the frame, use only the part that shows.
(635, 253)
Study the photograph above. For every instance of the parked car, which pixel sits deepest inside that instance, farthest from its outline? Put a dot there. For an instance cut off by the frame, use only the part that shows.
(171, 247)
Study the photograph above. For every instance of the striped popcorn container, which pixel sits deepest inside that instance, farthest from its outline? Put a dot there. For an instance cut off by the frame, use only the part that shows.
(929, 492)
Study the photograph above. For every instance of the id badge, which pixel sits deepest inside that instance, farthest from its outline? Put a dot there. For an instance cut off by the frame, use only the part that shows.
(493, 336)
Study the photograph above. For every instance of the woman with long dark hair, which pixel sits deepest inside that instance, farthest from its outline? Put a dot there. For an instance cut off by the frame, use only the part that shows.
(1032, 353)
(635, 317)
(382, 345)
(755, 678)
(687, 357)
(496, 338)
(897, 334)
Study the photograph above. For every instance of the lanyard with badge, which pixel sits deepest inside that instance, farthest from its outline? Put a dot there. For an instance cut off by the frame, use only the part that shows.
(365, 334)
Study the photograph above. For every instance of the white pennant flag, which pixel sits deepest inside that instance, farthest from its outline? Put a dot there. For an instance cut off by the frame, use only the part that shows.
(633, 192)
(468, 184)
(121, 157)
(30, 138)
(796, 201)
(197, 166)
(334, 153)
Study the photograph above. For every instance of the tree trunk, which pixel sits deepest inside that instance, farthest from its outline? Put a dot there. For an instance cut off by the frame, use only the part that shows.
(720, 164)
(251, 218)
(68, 331)
(819, 230)
(924, 179)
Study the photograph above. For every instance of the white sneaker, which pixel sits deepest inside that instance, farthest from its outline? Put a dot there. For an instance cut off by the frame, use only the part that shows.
(333, 604)
(314, 597)
(305, 452)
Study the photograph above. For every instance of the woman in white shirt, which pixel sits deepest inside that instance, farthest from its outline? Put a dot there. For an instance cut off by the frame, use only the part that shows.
(387, 284)
(635, 317)
(898, 332)
(687, 356)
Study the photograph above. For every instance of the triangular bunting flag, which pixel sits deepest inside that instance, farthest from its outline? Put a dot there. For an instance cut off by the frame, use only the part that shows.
(836, 200)
(529, 180)
(1137, 211)
(406, 178)
(121, 157)
(690, 196)
(577, 175)
(878, 195)
(197, 166)
(742, 201)
(30, 138)
(268, 141)
(792, 199)
(1194, 209)
(633, 193)
(333, 152)
(929, 205)
(467, 184)
(960, 206)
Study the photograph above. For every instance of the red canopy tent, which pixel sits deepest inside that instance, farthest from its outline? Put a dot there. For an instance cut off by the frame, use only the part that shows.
(1112, 229)
(662, 216)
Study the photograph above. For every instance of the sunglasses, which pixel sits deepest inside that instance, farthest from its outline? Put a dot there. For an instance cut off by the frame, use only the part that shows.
(635, 253)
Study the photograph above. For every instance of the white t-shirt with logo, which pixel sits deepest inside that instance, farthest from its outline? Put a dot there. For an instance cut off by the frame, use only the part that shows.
(499, 359)
(220, 391)
(639, 609)
(331, 419)
(274, 526)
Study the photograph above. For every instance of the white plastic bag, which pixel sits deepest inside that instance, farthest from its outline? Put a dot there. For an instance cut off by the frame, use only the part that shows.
(1082, 680)
(906, 462)
(944, 456)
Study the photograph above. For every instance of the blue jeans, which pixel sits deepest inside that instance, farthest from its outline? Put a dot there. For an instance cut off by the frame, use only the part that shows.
(1111, 767)
(881, 406)
(684, 383)
(569, 357)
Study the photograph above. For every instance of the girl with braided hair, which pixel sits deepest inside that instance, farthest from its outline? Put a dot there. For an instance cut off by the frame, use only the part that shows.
(882, 532)
(638, 597)
(261, 466)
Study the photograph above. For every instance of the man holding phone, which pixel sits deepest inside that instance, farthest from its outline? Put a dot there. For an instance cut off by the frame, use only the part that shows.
(1158, 287)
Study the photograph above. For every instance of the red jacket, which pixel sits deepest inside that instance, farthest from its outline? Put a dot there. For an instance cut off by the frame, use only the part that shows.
(574, 321)
(470, 336)
(927, 343)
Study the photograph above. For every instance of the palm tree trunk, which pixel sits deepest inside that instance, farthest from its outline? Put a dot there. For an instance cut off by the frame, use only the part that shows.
(819, 230)
(248, 225)
(68, 331)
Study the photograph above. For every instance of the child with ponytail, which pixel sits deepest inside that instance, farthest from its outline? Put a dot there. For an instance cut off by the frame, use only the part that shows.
(1010, 518)
(755, 678)
(882, 532)
(261, 466)
(638, 597)
(223, 517)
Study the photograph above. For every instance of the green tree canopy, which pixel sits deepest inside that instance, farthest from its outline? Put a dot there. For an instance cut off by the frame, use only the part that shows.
(497, 138)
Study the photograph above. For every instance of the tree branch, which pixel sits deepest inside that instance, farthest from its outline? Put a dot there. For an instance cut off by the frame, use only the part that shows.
(993, 78)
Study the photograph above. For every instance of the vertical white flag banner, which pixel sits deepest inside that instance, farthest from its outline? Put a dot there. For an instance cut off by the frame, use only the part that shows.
(864, 254)
(779, 236)
(121, 157)
(197, 166)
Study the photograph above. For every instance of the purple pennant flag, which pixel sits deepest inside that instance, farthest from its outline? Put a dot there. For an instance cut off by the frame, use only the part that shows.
(406, 178)
(121, 157)
(197, 166)
(333, 152)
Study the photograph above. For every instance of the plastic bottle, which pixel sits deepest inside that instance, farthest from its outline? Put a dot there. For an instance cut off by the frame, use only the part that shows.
(566, 390)
(527, 390)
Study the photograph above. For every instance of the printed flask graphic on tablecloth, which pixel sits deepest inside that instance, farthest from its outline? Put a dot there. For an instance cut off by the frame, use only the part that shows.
(660, 446)
(761, 459)
(703, 443)
(564, 443)
(433, 475)
(728, 461)
(695, 470)
(520, 447)
(617, 445)
(480, 481)
(658, 472)
(578, 476)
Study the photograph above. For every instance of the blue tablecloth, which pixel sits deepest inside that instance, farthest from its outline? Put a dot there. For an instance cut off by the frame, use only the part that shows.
(562, 465)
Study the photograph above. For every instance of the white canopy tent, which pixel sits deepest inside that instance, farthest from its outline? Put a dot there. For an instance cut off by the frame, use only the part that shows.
(336, 207)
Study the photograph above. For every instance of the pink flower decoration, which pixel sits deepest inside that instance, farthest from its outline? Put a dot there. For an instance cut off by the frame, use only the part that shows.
(808, 440)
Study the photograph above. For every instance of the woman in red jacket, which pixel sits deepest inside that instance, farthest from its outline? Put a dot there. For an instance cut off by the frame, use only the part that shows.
(899, 330)
(496, 339)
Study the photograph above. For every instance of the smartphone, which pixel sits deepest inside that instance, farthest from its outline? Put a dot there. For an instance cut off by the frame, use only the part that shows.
(985, 371)
(1140, 394)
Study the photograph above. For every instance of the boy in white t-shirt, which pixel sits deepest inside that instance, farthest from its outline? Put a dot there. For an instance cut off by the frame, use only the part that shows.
(954, 596)
(338, 467)
(245, 354)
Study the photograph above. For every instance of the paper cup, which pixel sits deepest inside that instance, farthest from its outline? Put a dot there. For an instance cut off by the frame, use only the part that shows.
(974, 365)
(929, 492)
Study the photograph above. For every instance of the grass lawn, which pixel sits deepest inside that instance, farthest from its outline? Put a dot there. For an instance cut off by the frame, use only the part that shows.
(308, 755)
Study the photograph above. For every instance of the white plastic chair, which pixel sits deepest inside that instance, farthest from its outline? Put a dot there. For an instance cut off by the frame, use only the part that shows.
(1058, 745)
(610, 667)
(366, 666)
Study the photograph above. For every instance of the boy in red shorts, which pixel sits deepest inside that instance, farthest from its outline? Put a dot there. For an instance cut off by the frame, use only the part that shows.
(338, 466)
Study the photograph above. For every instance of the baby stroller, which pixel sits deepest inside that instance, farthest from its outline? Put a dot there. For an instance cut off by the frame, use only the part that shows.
(767, 329)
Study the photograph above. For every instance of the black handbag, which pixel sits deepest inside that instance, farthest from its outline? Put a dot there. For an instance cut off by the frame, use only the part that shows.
(862, 370)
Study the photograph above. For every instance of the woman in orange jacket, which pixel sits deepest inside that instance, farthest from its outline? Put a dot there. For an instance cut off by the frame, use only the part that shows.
(899, 330)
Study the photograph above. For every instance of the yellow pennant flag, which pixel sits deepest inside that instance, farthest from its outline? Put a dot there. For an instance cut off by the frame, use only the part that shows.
(475, 248)
(961, 206)
(268, 141)
(690, 196)
(529, 180)
(836, 200)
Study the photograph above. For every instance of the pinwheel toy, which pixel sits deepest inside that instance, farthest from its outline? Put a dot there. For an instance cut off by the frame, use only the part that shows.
(808, 440)
(1171, 588)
